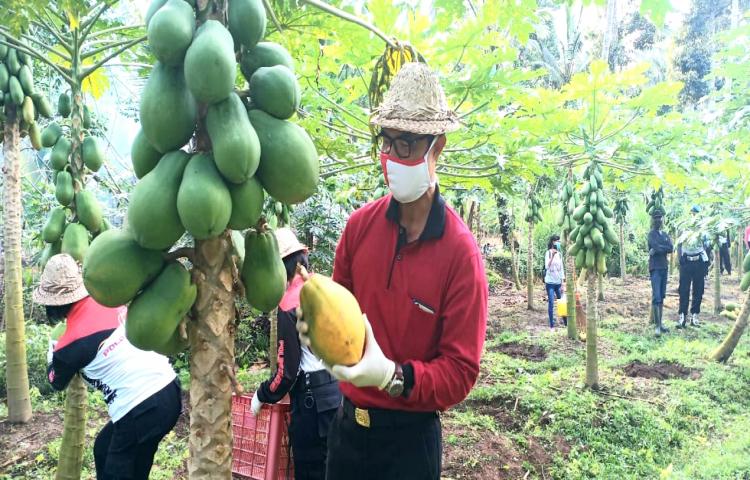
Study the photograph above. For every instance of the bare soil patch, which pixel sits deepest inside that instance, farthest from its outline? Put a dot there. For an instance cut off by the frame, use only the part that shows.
(533, 353)
(660, 370)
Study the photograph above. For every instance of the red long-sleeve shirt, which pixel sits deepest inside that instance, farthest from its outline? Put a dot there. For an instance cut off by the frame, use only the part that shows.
(426, 301)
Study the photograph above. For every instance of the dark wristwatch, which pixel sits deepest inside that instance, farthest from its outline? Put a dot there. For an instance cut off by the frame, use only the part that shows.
(396, 386)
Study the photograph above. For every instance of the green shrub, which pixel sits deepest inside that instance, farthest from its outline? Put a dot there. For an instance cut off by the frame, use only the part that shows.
(36, 358)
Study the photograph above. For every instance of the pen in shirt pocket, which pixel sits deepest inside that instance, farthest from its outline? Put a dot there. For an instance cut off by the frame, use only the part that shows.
(423, 307)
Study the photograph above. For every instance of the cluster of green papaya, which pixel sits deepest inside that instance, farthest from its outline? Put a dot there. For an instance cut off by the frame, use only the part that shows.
(252, 148)
(745, 282)
(569, 199)
(656, 203)
(621, 210)
(69, 230)
(593, 236)
(731, 311)
(17, 91)
(534, 214)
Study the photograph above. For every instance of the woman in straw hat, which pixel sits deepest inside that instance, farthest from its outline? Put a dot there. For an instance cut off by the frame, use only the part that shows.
(314, 392)
(140, 388)
(417, 273)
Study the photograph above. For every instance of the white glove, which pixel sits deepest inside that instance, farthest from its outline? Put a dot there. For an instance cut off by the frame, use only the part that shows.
(255, 404)
(374, 370)
(50, 350)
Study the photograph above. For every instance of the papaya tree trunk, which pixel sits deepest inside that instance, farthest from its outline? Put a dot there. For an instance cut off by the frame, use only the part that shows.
(717, 279)
(740, 252)
(17, 378)
(212, 361)
(514, 263)
(70, 461)
(570, 293)
(530, 269)
(622, 252)
(600, 287)
(726, 348)
(592, 360)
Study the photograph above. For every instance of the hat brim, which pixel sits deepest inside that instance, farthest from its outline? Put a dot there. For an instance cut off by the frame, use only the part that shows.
(293, 249)
(52, 299)
(422, 127)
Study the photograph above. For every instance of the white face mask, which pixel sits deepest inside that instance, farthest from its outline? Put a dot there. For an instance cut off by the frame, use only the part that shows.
(407, 180)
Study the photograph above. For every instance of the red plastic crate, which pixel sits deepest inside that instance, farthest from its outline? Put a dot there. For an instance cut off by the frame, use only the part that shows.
(261, 444)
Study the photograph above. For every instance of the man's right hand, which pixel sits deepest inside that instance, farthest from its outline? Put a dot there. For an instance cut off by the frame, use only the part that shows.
(50, 350)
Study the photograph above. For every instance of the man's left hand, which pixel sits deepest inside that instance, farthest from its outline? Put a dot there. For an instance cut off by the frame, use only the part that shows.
(255, 404)
(50, 350)
(373, 370)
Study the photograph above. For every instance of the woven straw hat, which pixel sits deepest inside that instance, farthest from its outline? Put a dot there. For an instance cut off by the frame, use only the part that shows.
(288, 242)
(416, 103)
(61, 282)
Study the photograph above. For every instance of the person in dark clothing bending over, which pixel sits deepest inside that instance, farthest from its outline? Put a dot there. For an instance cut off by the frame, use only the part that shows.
(694, 262)
(314, 392)
(659, 245)
(725, 260)
(417, 273)
(140, 388)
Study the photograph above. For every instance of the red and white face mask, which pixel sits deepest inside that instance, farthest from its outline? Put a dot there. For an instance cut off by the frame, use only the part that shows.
(407, 180)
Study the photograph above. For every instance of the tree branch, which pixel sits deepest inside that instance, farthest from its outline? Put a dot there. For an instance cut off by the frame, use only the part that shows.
(272, 14)
(89, 24)
(60, 54)
(465, 167)
(619, 130)
(41, 23)
(460, 175)
(337, 106)
(107, 31)
(344, 132)
(344, 169)
(108, 46)
(351, 18)
(63, 72)
(104, 60)
(473, 110)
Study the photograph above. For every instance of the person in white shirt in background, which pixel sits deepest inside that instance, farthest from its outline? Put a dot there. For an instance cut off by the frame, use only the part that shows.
(554, 275)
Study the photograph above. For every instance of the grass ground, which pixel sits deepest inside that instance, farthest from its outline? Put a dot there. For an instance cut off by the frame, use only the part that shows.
(664, 411)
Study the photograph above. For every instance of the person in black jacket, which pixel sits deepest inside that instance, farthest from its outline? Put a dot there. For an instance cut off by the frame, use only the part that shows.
(725, 260)
(314, 393)
(659, 245)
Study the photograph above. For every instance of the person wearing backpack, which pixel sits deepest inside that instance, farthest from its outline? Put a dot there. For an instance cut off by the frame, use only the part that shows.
(554, 275)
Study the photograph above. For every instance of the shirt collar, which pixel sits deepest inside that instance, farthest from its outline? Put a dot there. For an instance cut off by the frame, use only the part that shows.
(435, 225)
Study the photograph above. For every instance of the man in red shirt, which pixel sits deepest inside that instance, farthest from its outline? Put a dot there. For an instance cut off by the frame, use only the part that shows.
(418, 275)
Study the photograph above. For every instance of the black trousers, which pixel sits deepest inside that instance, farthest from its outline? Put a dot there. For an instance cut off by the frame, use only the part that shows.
(406, 451)
(315, 398)
(692, 274)
(125, 449)
(725, 259)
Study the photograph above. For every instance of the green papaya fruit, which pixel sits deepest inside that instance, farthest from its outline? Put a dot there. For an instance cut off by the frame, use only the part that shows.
(3, 49)
(88, 210)
(210, 64)
(26, 79)
(152, 213)
(607, 211)
(732, 306)
(105, 225)
(170, 31)
(275, 91)
(289, 167)
(11, 60)
(588, 242)
(156, 312)
(745, 283)
(64, 188)
(143, 155)
(116, 268)
(746, 263)
(4, 78)
(16, 92)
(571, 206)
(264, 54)
(168, 110)
(86, 117)
(27, 110)
(590, 259)
(203, 200)
(51, 134)
(574, 233)
(247, 22)
(574, 250)
(588, 218)
(561, 218)
(263, 273)
(247, 204)
(50, 250)
(579, 212)
(593, 208)
(599, 216)
(63, 105)
(580, 258)
(610, 236)
(235, 144)
(60, 153)
(42, 105)
(75, 241)
(54, 226)
(153, 7)
(174, 345)
(35, 136)
(597, 238)
(92, 153)
(601, 263)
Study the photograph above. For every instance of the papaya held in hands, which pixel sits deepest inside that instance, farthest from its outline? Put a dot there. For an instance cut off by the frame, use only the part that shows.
(336, 328)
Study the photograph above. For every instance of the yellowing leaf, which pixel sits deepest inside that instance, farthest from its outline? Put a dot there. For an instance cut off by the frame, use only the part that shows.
(73, 21)
(666, 472)
(96, 84)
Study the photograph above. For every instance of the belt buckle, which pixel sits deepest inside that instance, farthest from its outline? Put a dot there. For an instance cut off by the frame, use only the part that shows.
(362, 417)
